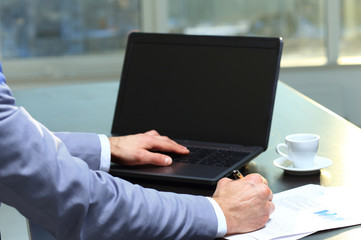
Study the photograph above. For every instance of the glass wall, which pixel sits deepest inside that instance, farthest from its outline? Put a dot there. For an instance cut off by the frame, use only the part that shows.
(301, 23)
(315, 32)
(33, 28)
(350, 44)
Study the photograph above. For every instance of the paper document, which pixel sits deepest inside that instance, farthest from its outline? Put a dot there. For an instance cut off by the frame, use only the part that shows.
(304, 210)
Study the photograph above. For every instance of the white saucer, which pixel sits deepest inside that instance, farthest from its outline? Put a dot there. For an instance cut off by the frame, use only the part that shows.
(287, 166)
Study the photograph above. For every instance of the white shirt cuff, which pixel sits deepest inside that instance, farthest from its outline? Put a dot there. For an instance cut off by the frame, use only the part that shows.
(222, 223)
(105, 153)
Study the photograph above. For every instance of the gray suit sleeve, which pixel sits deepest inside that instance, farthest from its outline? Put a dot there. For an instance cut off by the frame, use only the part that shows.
(85, 146)
(52, 188)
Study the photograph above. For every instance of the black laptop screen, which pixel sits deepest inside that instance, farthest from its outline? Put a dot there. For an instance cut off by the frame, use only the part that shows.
(218, 89)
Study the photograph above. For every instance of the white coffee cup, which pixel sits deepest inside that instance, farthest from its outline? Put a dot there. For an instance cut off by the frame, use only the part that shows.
(301, 149)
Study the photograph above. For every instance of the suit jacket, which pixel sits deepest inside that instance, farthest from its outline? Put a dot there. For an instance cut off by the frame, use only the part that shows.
(53, 181)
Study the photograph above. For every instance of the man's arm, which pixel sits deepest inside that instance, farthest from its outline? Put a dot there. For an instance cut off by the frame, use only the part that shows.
(137, 149)
(85, 146)
(40, 178)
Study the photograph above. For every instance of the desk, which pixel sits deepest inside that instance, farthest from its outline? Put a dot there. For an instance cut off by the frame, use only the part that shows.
(58, 108)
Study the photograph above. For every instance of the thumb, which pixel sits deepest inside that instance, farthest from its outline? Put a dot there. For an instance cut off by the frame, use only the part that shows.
(158, 159)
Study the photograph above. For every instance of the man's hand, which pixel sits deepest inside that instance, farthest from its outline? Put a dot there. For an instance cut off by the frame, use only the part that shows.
(246, 203)
(138, 149)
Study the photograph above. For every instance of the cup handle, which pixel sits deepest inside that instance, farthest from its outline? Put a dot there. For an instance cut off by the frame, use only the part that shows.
(280, 145)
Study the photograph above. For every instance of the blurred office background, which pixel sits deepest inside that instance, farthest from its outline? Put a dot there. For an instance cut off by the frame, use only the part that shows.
(51, 42)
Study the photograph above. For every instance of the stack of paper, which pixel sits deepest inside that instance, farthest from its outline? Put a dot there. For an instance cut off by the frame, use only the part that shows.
(304, 210)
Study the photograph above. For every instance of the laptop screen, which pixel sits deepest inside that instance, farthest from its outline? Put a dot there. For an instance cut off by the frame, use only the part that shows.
(204, 88)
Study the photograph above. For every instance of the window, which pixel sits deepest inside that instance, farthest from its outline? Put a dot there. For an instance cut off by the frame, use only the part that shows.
(350, 45)
(68, 27)
(301, 23)
(87, 37)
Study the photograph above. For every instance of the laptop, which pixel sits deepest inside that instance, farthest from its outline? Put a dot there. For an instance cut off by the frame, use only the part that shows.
(212, 94)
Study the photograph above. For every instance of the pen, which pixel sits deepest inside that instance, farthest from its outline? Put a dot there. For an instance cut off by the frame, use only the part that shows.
(237, 174)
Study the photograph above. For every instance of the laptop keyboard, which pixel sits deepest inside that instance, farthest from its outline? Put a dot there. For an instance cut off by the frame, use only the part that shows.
(213, 157)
